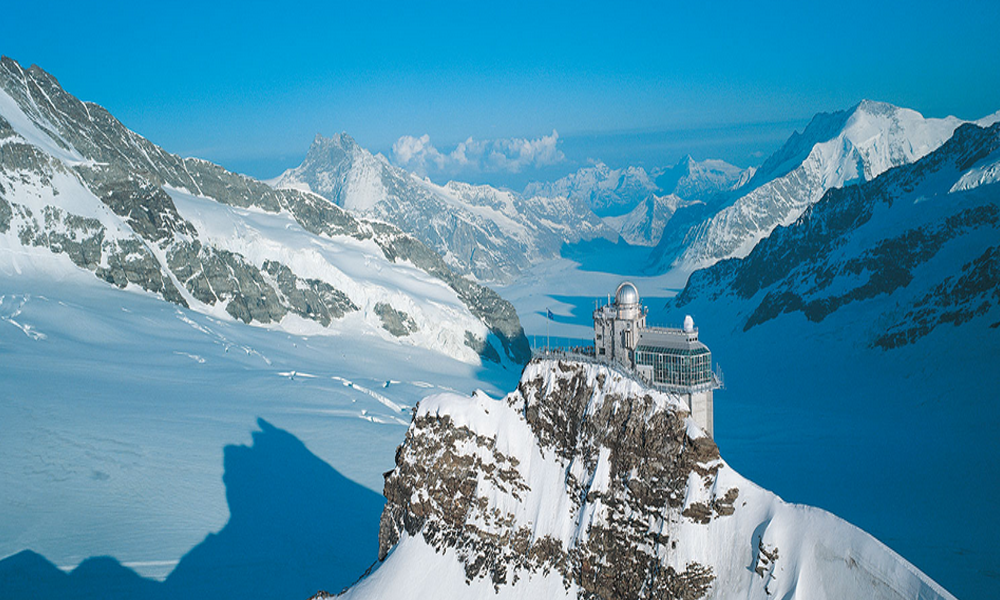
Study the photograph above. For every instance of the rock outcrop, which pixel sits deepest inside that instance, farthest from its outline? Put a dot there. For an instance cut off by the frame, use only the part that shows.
(584, 483)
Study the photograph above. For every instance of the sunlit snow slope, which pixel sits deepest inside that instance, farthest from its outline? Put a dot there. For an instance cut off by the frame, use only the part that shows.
(585, 483)
(78, 187)
(835, 149)
(115, 408)
(152, 308)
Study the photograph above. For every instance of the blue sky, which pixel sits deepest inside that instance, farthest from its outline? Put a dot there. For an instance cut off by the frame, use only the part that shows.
(248, 85)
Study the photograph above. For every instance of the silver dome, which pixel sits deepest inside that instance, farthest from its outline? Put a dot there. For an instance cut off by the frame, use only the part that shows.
(626, 295)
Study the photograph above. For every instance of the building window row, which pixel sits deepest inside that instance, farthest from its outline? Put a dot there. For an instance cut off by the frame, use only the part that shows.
(683, 368)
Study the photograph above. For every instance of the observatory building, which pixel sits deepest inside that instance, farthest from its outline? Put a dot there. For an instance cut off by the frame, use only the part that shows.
(668, 359)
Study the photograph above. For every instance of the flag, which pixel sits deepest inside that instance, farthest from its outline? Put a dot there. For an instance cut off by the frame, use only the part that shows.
(549, 315)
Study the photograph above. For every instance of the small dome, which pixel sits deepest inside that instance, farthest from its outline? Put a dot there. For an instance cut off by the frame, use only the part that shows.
(688, 324)
(626, 295)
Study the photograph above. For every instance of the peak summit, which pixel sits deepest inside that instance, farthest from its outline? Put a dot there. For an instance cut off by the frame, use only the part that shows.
(875, 107)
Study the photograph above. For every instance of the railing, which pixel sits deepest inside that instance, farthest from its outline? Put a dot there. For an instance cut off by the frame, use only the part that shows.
(589, 358)
(585, 354)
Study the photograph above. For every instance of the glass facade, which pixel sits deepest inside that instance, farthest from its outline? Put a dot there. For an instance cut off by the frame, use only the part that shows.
(676, 366)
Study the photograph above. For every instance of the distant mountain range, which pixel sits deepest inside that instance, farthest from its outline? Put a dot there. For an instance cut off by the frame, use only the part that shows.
(490, 233)
(834, 150)
(493, 233)
(638, 205)
(692, 214)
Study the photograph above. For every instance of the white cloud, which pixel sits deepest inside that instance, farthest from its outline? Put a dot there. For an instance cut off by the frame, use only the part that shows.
(510, 155)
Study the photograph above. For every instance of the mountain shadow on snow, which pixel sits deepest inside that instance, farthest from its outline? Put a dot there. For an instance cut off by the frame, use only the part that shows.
(296, 526)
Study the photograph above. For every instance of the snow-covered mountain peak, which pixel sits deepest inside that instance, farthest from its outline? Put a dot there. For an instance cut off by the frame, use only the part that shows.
(700, 180)
(608, 192)
(340, 170)
(834, 150)
(78, 190)
(887, 136)
(875, 107)
(584, 483)
(644, 225)
(478, 229)
(869, 241)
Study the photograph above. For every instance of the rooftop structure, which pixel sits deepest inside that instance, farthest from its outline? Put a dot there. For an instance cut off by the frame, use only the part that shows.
(673, 360)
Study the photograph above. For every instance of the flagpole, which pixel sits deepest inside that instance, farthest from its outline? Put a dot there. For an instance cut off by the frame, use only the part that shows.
(547, 312)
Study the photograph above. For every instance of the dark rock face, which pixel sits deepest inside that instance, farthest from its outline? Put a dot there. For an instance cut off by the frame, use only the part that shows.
(119, 262)
(809, 267)
(955, 300)
(123, 268)
(440, 489)
(310, 298)
(396, 322)
(5, 215)
(147, 209)
(482, 347)
(128, 174)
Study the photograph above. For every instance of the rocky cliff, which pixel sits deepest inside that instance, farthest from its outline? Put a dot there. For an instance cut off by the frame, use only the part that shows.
(583, 483)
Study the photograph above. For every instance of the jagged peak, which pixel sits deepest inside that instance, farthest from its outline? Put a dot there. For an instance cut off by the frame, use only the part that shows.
(34, 71)
(341, 140)
(335, 150)
(875, 107)
(686, 162)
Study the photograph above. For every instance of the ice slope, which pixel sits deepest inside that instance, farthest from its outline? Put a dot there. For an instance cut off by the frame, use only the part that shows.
(115, 407)
(564, 500)
(834, 150)
(491, 233)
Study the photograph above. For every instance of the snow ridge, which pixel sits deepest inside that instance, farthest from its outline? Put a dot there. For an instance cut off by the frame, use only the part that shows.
(834, 150)
(80, 191)
(584, 484)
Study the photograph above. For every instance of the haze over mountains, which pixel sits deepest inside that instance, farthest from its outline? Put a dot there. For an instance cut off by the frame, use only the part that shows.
(491, 233)
(721, 211)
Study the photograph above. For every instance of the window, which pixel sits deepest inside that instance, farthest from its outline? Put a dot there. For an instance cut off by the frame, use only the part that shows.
(675, 366)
